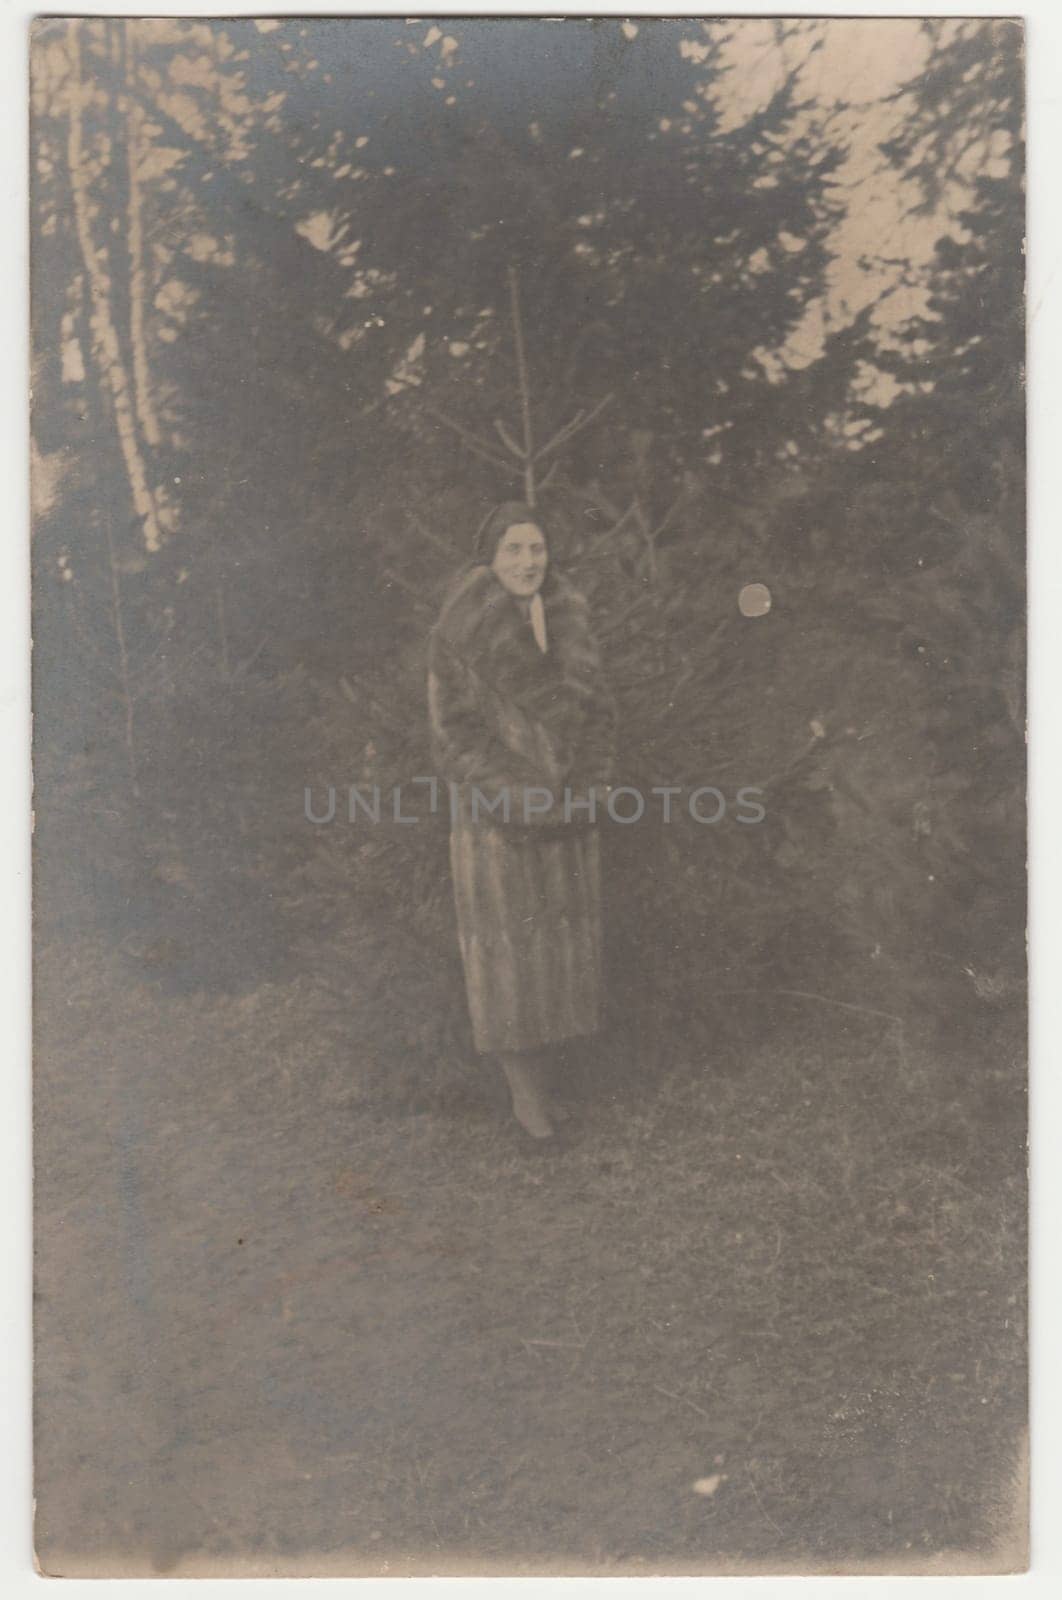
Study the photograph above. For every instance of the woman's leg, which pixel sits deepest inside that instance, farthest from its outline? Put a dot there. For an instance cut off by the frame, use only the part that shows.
(524, 1077)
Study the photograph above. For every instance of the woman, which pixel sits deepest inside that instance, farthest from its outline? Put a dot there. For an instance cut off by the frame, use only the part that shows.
(523, 730)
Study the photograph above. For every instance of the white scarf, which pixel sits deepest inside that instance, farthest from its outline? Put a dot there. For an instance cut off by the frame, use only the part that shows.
(538, 623)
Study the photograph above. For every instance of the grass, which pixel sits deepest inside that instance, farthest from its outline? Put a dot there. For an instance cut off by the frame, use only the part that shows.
(306, 1304)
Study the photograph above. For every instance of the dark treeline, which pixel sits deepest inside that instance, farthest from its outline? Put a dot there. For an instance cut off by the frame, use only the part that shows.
(279, 274)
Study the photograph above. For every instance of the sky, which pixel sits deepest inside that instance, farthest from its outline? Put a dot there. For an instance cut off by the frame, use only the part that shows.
(862, 62)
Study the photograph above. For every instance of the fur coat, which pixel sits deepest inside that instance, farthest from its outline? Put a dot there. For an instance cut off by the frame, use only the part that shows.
(504, 715)
(507, 718)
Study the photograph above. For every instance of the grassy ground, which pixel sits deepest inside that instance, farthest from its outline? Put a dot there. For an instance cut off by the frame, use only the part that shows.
(303, 1307)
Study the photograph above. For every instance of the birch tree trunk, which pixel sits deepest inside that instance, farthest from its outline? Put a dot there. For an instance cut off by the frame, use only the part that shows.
(134, 122)
(105, 343)
(113, 380)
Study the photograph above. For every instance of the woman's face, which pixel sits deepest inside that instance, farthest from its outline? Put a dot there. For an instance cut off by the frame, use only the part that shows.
(520, 560)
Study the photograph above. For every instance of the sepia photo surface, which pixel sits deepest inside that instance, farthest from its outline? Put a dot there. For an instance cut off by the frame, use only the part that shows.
(529, 900)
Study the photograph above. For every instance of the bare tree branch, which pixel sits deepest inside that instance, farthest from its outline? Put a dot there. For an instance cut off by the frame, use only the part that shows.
(578, 423)
(474, 444)
(508, 440)
(525, 389)
(668, 517)
(393, 577)
(433, 538)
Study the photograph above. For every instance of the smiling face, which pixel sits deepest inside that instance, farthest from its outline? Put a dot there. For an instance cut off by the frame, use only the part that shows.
(520, 560)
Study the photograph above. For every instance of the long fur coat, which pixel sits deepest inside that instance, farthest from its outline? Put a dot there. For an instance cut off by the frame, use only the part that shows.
(505, 715)
(507, 719)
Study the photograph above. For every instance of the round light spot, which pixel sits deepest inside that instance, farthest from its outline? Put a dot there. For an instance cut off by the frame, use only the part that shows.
(754, 600)
(708, 1486)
